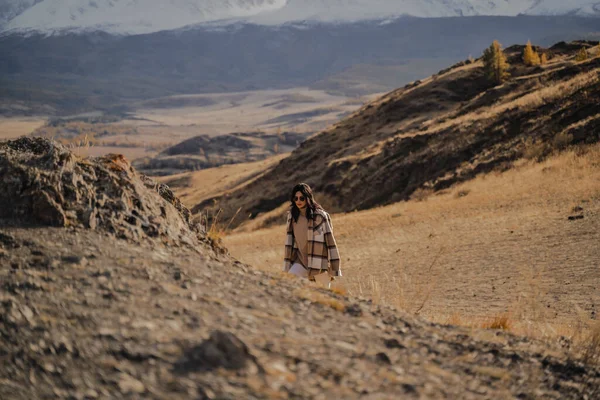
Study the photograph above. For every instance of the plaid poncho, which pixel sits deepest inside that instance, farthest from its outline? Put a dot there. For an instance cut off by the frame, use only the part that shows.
(322, 248)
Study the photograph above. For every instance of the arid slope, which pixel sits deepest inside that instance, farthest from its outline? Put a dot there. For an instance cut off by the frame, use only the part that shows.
(435, 133)
(163, 314)
(520, 244)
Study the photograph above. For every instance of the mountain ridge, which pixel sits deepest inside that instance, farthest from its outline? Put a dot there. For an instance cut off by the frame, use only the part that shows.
(79, 73)
(435, 133)
(131, 17)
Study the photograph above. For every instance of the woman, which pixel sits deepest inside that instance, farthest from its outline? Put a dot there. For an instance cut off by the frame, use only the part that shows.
(310, 248)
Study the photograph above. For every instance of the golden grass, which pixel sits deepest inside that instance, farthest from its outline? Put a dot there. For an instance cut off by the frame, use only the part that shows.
(509, 249)
(319, 298)
(218, 230)
(201, 185)
(589, 347)
(530, 100)
(501, 321)
(12, 128)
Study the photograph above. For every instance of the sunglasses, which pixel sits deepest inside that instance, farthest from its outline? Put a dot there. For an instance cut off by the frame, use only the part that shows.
(301, 198)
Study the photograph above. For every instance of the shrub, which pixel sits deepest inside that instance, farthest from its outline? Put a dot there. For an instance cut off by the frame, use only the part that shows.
(501, 321)
(582, 55)
(530, 56)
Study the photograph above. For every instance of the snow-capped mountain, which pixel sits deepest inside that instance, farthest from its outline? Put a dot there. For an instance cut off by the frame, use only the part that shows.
(11, 8)
(134, 16)
(146, 16)
(564, 7)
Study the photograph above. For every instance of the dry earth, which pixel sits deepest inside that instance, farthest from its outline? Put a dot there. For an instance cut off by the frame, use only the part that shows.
(12, 128)
(89, 316)
(86, 315)
(505, 243)
(257, 110)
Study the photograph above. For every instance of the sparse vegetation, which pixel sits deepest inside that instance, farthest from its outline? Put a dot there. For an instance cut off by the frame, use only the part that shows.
(502, 322)
(535, 150)
(590, 345)
(65, 131)
(216, 230)
(484, 235)
(312, 295)
(582, 55)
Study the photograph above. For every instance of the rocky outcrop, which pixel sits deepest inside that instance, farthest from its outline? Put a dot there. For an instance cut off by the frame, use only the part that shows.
(87, 316)
(45, 183)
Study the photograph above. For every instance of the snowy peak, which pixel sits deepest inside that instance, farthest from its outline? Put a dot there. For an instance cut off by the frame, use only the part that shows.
(146, 16)
(135, 16)
(9, 9)
(564, 7)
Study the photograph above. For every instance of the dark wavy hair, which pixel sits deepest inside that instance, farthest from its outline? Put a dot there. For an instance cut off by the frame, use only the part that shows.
(311, 205)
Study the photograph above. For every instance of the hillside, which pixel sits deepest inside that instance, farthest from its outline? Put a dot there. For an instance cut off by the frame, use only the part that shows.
(435, 133)
(519, 244)
(125, 297)
(201, 152)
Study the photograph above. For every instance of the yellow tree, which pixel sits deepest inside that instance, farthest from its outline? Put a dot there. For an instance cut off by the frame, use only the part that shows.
(582, 55)
(530, 56)
(544, 59)
(494, 63)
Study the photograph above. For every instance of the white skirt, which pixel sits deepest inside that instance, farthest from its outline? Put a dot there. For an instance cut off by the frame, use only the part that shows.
(298, 270)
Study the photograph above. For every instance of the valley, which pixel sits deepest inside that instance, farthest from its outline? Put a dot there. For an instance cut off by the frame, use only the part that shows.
(157, 124)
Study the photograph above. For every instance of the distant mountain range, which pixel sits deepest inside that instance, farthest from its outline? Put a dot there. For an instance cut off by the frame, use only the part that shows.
(64, 56)
(71, 73)
(139, 17)
(9, 9)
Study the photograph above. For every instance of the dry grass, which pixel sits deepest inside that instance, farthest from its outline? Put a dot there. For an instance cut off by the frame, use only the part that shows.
(528, 101)
(12, 128)
(194, 187)
(319, 298)
(589, 347)
(216, 229)
(509, 250)
(501, 321)
(251, 111)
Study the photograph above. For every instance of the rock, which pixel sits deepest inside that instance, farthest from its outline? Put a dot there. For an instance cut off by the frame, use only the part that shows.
(575, 217)
(393, 344)
(45, 183)
(354, 310)
(47, 211)
(27, 313)
(128, 384)
(220, 350)
(8, 241)
(383, 358)
(75, 260)
(89, 218)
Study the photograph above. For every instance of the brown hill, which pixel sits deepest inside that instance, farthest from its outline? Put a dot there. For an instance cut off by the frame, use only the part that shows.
(84, 314)
(201, 152)
(434, 133)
